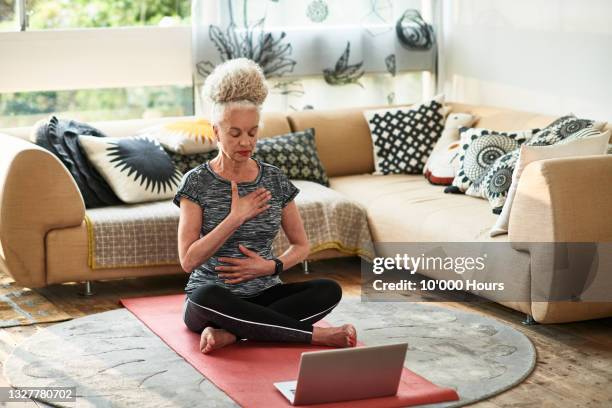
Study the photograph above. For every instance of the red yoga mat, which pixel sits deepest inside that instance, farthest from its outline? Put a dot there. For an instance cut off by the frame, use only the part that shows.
(246, 370)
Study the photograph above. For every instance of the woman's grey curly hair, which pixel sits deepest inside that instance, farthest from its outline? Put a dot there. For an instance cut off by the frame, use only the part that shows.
(236, 82)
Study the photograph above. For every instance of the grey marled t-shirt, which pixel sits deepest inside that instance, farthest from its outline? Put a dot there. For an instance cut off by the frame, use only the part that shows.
(213, 193)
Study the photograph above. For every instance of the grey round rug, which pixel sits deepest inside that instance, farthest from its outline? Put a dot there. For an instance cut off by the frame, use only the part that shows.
(114, 360)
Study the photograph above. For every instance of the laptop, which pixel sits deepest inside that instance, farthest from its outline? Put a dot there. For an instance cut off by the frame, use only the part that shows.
(346, 374)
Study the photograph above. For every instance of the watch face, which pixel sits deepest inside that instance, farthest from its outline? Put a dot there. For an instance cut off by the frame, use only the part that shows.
(279, 266)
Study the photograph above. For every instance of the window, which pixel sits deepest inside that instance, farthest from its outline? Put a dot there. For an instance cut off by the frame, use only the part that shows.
(8, 19)
(25, 108)
(94, 59)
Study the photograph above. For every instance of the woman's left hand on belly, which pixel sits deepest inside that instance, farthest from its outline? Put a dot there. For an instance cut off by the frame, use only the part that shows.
(244, 269)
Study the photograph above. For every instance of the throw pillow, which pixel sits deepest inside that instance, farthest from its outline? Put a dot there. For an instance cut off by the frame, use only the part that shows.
(498, 179)
(587, 146)
(137, 168)
(479, 150)
(295, 154)
(186, 162)
(60, 137)
(443, 162)
(184, 136)
(562, 128)
(403, 138)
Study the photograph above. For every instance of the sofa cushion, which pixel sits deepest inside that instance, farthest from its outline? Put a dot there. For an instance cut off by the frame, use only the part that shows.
(406, 208)
(137, 168)
(403, 138)
(186, 136)
(295, 154)
(336, 130)
(480, 148)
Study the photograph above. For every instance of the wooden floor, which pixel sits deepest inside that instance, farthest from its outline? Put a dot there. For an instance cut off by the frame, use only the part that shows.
(574, 366)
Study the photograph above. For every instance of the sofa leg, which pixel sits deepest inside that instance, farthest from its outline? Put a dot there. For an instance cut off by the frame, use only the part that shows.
(305, 267)
(529, 320)
(86, 289)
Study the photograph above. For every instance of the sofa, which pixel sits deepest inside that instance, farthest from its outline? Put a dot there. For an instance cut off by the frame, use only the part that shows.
(44, 234)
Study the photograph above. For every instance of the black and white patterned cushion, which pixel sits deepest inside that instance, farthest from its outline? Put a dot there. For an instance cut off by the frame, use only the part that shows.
(137, 168)
(403, 138)
(186, 162)
(294, 153)
(480, 149)
(498, 178)
(562, 128)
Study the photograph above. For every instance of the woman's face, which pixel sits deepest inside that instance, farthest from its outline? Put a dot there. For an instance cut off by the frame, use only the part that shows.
(237, 133)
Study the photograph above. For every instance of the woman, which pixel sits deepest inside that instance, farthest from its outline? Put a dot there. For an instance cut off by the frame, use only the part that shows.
(231, 208)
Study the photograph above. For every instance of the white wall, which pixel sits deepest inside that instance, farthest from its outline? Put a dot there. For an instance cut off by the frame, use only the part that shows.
(548, 56)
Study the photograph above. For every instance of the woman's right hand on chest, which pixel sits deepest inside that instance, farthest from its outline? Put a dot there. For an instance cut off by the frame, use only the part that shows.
(250, 205)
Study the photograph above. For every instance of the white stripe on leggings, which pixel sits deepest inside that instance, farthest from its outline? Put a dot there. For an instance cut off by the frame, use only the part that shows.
(248, 321)
(316, 314)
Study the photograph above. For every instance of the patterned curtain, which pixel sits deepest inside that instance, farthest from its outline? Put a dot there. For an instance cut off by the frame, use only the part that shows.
(319, 54)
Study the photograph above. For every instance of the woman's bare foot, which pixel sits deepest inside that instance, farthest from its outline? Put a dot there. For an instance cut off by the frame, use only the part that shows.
(343, 336)
(212, 339)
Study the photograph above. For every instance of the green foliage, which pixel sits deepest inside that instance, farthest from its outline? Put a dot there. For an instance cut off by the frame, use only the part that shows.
(46, 14)
(24, 108)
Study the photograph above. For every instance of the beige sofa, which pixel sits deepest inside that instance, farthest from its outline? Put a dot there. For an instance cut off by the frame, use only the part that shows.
(43, 234)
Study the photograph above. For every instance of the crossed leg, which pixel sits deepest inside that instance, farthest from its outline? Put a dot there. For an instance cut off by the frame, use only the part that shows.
(284, 312)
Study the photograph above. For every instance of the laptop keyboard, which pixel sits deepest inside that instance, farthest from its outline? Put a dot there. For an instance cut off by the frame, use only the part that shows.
(292, 392)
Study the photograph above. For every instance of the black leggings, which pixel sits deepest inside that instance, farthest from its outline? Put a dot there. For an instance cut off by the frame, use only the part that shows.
(284, 312)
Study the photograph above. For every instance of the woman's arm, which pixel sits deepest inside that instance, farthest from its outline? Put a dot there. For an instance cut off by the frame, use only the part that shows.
(293, 225)
(193, 250)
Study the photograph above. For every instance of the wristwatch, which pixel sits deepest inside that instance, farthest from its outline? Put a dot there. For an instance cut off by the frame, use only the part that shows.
(278, 268)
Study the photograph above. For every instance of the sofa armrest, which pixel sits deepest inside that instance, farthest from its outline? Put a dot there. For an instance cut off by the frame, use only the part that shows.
(564, 200)
(37, 194)
(560, 215)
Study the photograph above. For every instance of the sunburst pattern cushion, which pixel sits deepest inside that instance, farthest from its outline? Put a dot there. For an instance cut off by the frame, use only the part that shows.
(137, 168)
(184, 136)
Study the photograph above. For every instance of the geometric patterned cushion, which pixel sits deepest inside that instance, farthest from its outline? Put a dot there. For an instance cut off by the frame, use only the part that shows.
(295, 154)
(403, 138)
(186, 162)
(480, 149)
